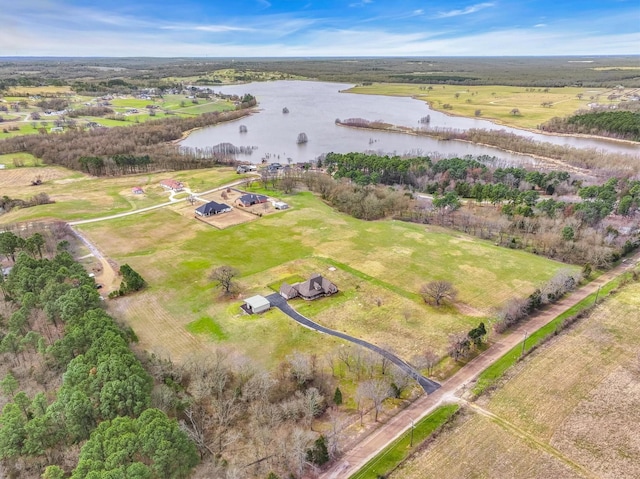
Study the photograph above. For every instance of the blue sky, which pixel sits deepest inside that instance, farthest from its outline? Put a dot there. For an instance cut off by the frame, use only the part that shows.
(272, 28)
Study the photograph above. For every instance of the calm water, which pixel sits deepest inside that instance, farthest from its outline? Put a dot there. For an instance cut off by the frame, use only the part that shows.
(314, 107)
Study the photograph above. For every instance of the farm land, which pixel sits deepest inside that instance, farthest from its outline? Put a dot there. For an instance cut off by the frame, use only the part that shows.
(497, 102)
(24, 116)
(78, 196)
(378, 266)
(568, 410)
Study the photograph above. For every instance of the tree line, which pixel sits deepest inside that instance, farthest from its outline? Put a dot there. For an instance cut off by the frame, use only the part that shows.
(122, 150)
(622, 124)
(550, 213)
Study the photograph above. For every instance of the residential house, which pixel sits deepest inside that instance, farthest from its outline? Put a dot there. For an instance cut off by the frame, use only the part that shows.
(251, 199)
(172, 185)
(136, 190)
(315, 287)
(212, 208)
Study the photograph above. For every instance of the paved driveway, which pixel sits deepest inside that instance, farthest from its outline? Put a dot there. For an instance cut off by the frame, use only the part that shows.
(279, 302)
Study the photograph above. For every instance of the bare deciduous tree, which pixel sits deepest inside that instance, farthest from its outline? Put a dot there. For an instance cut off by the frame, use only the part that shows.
(224, 278)
(376, 391)
(437, 291)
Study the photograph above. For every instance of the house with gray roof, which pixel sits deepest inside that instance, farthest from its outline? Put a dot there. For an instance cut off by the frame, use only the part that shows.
(315, 287)
(212, 208)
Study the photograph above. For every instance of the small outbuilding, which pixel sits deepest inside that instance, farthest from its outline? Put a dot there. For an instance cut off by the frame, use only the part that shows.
(256, 305)
(136, 190)
(280, 205)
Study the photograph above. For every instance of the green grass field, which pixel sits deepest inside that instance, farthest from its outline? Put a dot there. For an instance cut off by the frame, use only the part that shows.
(391, 456)
(495, 102)
(378, 266)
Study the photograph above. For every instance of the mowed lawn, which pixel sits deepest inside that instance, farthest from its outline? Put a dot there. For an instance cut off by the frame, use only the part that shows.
(496, 102)
(576, 402)
(78, 196)
(378, 266)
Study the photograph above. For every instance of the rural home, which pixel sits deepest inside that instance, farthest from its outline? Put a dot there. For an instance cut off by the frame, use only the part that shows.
(256, 305)
(251, 199)
(212, 208)
(136, 190)
(314, 288)
(172, 185)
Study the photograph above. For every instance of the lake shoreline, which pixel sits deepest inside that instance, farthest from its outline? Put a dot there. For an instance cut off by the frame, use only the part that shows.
(498, 122)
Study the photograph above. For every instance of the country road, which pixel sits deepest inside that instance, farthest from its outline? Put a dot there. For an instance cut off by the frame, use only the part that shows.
(373, 443)
(171, 201)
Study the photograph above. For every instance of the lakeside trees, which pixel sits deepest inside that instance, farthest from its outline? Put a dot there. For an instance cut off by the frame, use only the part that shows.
(123, 150)
(621, 123)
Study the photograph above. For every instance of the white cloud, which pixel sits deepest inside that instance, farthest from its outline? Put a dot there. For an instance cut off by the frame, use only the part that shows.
(465, 11)
(540, 25)
(206, 28)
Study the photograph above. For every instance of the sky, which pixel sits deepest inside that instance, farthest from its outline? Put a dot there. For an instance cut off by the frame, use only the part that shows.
(313, 28)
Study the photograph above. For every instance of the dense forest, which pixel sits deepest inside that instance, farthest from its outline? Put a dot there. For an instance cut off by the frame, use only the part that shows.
(53, 324)
(622, 124)
(123, 150)
(96, 74)
(549, 213)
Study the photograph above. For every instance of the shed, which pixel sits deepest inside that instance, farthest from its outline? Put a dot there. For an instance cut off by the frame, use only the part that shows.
(280, 205)
(256, 304)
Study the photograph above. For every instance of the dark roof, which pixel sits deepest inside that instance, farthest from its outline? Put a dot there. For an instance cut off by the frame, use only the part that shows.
(211, 208)
(316, 286)
(288, 290)
(252, 198)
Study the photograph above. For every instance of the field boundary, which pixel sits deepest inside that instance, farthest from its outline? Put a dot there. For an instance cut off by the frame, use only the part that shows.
(403, 448)
(490, 376)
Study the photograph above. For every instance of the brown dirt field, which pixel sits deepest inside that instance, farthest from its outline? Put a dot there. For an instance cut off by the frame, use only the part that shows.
(18, 177)
(480, 448)
(166, 330)
(238, 215)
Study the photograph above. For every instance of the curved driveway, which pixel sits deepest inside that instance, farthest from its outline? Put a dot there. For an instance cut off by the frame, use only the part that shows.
(279, 302)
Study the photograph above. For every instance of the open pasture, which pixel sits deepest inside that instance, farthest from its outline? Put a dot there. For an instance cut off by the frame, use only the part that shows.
(79, 196)
(497, 102)
(380, 267)
(576, 400)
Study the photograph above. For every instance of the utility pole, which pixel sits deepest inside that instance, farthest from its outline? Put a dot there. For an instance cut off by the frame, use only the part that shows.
(524, 341)
(411, 441)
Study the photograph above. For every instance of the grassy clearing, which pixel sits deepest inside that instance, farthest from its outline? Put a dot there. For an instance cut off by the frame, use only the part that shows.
(78, 196)
(494, 101)
(294, 278)
(26, 159)
(207, 326)
(391, 456)
(570, 409)
(381, 266)
(494, 372)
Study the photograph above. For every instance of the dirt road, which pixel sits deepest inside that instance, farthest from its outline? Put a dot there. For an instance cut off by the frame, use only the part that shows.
(373, 443)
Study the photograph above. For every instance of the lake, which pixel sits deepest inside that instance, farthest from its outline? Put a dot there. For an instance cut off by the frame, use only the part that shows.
(314, 107)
